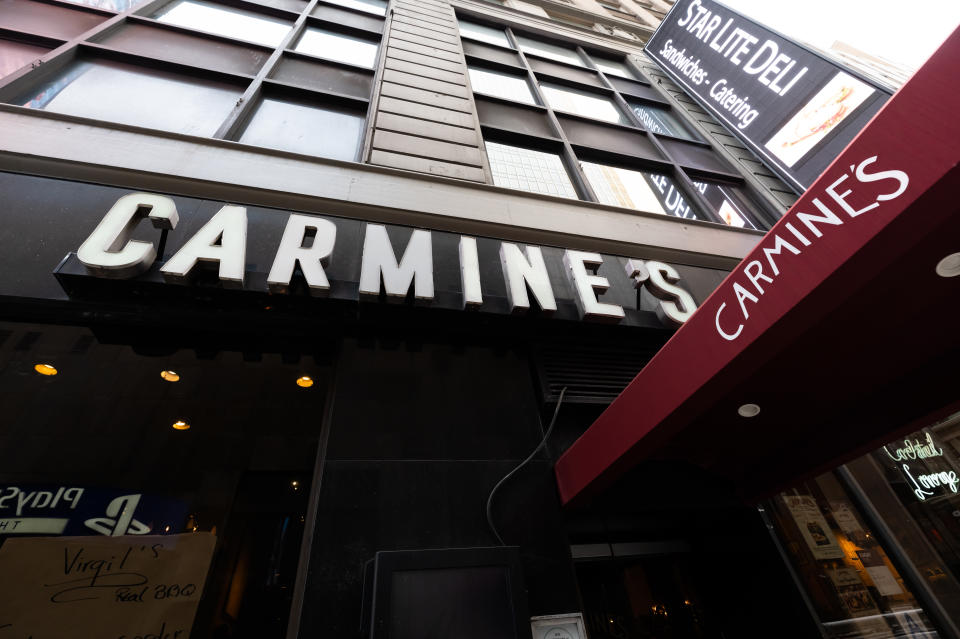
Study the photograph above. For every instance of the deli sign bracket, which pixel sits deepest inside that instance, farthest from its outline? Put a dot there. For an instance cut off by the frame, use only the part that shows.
(794, 108)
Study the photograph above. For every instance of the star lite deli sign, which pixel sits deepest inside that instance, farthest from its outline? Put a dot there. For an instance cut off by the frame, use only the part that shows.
(795, 109)
(310, 244)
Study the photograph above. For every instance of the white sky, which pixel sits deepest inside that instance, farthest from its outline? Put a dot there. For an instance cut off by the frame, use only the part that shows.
(902, 31)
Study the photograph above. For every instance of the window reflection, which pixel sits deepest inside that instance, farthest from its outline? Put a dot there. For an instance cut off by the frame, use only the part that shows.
(590, 105)
(225, 21)
(313, 130)
(127, 94)
(613, 67)
(212, 516)
(501, 85)
(376, 7)
(661, 121)
(639, 190)
(483, 33)
(848, 574)
(338, 46)
(549, 50)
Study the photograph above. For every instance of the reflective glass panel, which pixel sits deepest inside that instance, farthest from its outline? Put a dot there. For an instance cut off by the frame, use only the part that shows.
(324, 131)
(483, 33)
(613, 67)
(225, 21)
(112, 5)
(849, 575)
(661, 121)
(179, 505)
(338, 46)
(128, 94)
(549, 50)
(501, 85)
(639, 190)
(590, 105)
(14, 55)
(377, 7)
(529, 170)
(729, 202)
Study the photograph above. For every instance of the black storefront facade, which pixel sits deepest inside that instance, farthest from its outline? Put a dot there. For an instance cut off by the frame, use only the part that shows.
(415, 411)
(207, 438)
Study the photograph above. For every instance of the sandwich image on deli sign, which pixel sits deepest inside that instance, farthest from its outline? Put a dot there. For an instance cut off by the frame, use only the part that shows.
(793, 107)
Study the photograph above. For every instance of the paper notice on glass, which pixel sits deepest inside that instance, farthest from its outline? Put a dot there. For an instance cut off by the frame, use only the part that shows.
(845, 518)
(813, 527)
(109, 587)
(883, 579)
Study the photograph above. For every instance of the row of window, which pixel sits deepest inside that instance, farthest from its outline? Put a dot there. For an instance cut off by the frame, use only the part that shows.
(315, 98)
(596, 88)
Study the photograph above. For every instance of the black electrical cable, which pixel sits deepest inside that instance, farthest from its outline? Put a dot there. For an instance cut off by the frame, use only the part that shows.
(536, 450)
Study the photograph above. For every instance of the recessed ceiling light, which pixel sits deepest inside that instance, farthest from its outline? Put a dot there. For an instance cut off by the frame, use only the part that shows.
(45, 369)
(170, 376)
(949, 266)
(181, 425)
(748, 410)
(304, 382)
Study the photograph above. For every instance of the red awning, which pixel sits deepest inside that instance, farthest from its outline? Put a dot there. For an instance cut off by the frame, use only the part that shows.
(837, 325)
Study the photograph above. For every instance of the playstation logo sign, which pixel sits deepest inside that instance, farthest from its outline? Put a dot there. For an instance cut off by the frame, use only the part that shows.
(119, 519)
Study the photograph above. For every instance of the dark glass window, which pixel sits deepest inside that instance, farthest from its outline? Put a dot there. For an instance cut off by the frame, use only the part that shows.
(117, 92)
(311, 129)
(190, 468)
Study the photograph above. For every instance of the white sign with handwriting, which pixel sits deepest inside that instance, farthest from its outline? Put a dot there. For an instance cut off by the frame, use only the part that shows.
(125, 587)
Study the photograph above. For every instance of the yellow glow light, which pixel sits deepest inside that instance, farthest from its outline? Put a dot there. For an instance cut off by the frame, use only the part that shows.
(181, 425)
(170, 376)
(304, 382)
(45, 369)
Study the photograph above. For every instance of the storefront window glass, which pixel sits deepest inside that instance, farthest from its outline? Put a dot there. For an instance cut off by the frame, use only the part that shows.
(847, 573)
(225, 21)
(528, 170)
(112, 91)
(583, 103)
(501, 85)
(337, 46)
(148, 490)
(302, 128)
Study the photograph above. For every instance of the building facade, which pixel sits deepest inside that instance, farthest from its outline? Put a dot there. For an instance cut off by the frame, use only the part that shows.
(399, 257)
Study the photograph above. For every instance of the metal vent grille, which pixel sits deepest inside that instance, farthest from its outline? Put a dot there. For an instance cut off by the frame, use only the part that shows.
(593, 374)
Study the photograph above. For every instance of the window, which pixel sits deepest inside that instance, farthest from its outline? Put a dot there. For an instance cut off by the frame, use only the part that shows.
(660, 121)
(111, 5)
(613, 67)
(127, 94)
(529, 170)
(377, 7)
(590, 105)
(549, 50)
(729, 202)
(225, 21)
(501, 85)
(14, 55)
(639, 190)
(337, 46)
(483, 33)
(313, 130)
